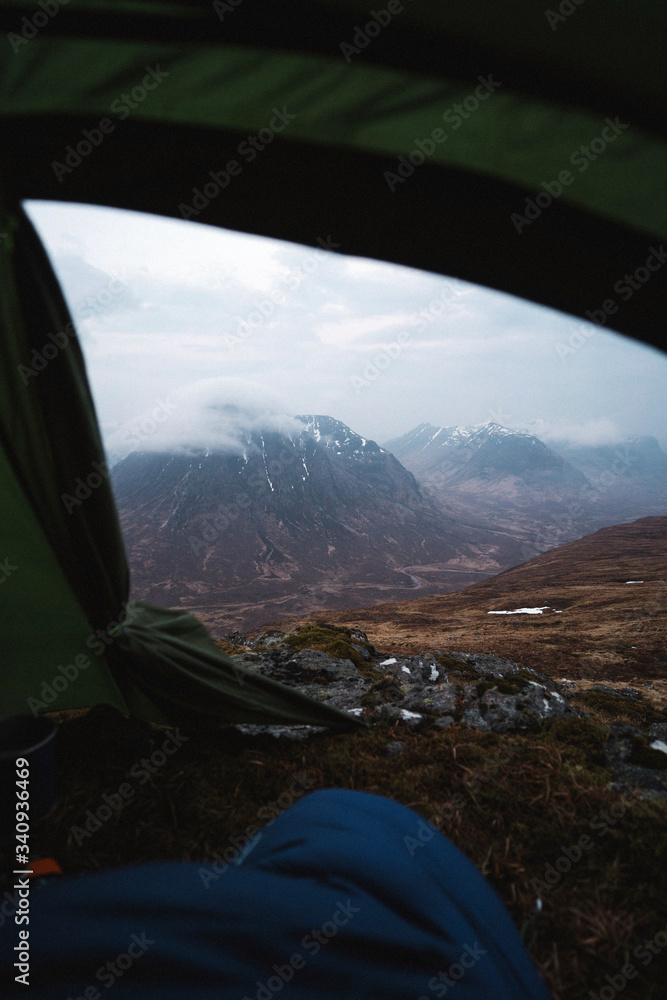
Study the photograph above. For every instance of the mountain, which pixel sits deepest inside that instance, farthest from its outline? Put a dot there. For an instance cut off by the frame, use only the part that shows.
(311, 518)
(559, 492)
(491, 454)
(638, 466)
(595, 608)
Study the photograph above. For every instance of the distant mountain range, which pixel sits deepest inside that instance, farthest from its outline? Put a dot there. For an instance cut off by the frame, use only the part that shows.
(567, 490)
(451, 456)
(322, 517)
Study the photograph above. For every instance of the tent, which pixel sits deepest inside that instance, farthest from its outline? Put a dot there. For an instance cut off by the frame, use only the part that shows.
(509, 145)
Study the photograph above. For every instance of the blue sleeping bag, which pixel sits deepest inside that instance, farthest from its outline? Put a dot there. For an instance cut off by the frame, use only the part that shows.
(345, 895)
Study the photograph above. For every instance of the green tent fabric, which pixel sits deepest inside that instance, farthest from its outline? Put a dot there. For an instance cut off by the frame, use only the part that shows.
(161, 665)
(362, 93)
(514, 146)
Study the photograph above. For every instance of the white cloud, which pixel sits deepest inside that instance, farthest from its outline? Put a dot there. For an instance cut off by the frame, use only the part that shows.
(217, 414)
(351, 329)
(190, 288)
(598, 430)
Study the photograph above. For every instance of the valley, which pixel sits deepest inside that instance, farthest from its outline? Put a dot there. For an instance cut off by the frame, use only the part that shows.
(313, 518)
(593, 626)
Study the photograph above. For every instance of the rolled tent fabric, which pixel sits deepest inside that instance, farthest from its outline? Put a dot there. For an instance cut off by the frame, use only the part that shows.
(345, 895)
(49, 433)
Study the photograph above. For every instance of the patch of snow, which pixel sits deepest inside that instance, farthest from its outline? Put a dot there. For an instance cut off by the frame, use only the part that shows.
(265, 466)
(434, 672)
(409, 715)
(521, 611)
(406, 670)
(634, 581)
(659, 745)
(355, 711)
(387, 663)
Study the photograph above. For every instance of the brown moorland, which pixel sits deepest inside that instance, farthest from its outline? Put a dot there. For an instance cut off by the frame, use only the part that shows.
(595, 625)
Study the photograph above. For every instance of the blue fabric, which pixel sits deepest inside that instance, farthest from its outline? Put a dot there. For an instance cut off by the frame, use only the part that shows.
(345, 895)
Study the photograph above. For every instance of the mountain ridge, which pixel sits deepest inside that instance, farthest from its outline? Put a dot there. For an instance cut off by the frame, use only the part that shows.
(294, 517)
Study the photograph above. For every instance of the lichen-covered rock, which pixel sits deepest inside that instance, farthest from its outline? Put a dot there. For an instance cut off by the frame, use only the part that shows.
(634, 762)
(658, 731)
(487, 665)
(525, 710)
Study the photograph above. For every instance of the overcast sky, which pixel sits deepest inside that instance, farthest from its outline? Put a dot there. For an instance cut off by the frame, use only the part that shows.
(171, 313)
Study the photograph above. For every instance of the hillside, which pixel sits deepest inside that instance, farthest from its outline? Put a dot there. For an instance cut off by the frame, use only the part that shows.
(556, 492)
(593, 623)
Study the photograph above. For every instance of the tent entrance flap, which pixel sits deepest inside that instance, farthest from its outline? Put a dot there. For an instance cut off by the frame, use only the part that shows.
(72, 577)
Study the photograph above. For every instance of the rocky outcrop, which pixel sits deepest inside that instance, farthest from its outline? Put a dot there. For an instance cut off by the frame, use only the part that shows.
(485, 692)
(476, 690)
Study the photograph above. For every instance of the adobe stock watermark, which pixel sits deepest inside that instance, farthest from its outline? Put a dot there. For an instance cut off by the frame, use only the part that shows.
(39, 359)
(468, 447)
(454, 117)
(67, 673)
(267, 815)
(6, 570)
(446, 980)
(565, 9)
(312, 943)
(214, 524)
(389, 353)
(264, 309)
(115, 968)
(581, 158)
(92, 305)
(222, 7)
(121, 107)
(141, 772)
(600, 824)
(61, 339)
(84, 488)
(248, 149)
(625, 287)
(145, 426)
(31, 26)
(427, 829)
(595, 488)
(645, 952)
(363, 36)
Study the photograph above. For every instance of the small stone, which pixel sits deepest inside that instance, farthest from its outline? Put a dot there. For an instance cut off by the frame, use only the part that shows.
(363, 653)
